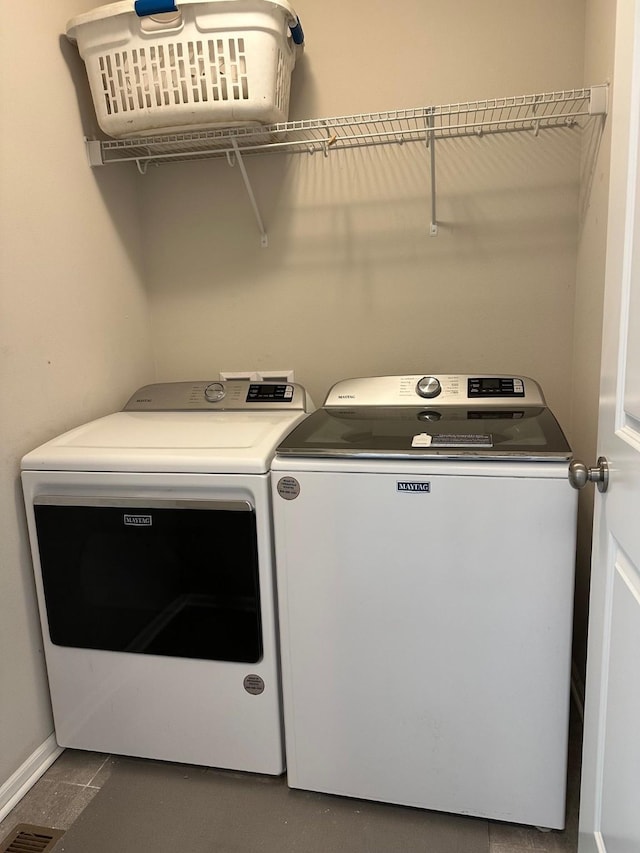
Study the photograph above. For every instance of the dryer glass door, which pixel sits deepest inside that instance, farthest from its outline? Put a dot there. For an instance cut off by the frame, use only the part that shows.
(176, 578)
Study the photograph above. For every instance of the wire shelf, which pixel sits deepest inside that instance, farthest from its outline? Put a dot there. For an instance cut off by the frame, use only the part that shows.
(532, 113)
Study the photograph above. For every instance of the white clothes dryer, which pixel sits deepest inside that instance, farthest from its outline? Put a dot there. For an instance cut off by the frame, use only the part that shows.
(425, 545)
(151, 534)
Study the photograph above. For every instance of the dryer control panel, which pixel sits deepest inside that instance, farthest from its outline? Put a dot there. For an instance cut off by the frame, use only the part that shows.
(447, 389)
(221, 395)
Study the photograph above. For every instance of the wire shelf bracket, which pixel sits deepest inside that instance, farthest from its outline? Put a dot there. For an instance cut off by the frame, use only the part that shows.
(264, 240)
(427, 125)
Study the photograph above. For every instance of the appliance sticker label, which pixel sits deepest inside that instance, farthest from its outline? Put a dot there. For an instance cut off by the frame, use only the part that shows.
(137, 520)
(288, 488)
(406, 486)
(253, 684)
(423, 439)
(454, 440)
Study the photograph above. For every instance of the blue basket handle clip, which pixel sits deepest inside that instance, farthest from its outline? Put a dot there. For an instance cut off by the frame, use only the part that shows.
(296, 32)
(144, 8)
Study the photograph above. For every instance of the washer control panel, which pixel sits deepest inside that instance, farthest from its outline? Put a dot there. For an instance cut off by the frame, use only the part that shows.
(495, 386)
(222, 395)
(454, 389)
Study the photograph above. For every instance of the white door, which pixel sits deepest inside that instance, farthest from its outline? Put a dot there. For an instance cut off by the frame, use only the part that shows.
(610, 805)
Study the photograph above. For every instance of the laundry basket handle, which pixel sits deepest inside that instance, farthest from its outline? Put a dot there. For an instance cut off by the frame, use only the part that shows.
(145, 8)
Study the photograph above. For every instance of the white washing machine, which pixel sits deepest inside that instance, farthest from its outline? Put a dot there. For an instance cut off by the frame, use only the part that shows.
(152, 547)
(425, 539)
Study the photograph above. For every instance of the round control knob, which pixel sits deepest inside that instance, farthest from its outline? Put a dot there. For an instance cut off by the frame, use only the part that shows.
(214, 392)
(428, 386)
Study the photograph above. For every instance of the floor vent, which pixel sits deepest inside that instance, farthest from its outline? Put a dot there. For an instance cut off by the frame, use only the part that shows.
(27, 838)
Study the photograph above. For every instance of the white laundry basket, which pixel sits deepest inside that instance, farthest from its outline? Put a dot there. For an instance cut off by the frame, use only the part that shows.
(157, 68)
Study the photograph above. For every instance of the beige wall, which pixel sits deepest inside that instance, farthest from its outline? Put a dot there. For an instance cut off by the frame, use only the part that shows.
(599, 55)
(74, 335)
(352, 283)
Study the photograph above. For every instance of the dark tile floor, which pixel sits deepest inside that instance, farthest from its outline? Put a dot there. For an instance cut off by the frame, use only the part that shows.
(76, 777)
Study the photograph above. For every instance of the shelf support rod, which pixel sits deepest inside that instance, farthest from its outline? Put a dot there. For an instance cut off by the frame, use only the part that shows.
(264, 240)
(431, 142)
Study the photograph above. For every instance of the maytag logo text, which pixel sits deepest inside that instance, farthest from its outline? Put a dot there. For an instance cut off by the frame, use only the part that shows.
(137, 520)
(405, 486)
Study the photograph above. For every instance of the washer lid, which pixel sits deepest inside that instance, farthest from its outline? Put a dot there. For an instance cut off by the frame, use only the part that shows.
(194, 442)
(431, 432)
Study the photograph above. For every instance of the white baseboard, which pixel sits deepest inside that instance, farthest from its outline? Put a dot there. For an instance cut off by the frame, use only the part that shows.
(14, 789)
(592, 842)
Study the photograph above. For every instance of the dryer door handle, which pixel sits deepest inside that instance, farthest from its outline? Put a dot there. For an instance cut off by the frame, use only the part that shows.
(148, 503)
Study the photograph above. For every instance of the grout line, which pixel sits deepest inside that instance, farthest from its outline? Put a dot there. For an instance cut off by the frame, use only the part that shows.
(81, 785)
(107, 759)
